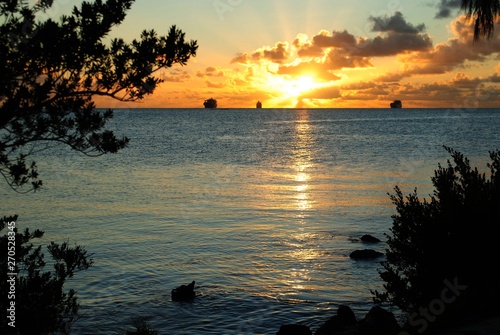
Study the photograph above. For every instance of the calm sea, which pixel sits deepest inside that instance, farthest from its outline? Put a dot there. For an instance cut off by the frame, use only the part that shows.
(260, 207)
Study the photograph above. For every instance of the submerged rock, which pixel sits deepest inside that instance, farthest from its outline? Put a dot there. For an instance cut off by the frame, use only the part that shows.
(344, 321)
(377, 321)
(369, 239)
(365, 254)
(184, 292)
(294, 329)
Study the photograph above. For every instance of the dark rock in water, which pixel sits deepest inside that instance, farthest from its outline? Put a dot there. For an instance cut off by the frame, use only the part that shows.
(379, 321)
(365, 254)
(369, 239)
(184, 292)
(294, 330)
(344, 321)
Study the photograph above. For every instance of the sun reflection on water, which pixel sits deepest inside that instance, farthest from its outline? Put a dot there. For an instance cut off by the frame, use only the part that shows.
(301, 254)
(302, 162)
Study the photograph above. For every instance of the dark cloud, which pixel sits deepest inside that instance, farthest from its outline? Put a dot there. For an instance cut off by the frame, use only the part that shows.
(339, 39)
(392, 44)
(447, 7)
(344, 50)
(395, 23)
(324, 40)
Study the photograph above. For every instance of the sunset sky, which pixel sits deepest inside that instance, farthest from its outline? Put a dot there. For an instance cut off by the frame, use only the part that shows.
(320, 53)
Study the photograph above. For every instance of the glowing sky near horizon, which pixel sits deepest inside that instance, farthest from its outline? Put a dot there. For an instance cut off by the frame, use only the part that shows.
(320, 53)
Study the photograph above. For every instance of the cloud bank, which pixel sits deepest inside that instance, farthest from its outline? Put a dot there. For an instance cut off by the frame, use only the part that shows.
(419, 69)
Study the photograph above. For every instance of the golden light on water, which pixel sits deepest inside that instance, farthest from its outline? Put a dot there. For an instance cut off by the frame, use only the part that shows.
(302, 177)
(301, 188)
(303, 203)
(302, 162)
(298, 278)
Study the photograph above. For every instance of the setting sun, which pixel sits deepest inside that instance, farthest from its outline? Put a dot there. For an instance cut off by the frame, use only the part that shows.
(300, 85)
(292, 87)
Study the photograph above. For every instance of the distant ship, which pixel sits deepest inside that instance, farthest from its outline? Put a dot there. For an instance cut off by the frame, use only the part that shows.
(259, 104)
(210, 103)
(396, 104)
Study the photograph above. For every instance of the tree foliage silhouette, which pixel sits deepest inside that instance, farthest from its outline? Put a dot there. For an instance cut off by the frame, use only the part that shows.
(50, 70)
(484, 13)
(448, 238)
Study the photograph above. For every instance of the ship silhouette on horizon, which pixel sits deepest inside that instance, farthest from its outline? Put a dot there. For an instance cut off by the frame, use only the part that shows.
(396, 104)
(210, 103)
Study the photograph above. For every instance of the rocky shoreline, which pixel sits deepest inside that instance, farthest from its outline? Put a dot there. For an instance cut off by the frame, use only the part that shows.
(379, 321)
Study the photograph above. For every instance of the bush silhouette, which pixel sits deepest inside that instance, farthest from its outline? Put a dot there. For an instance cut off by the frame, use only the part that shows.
(448, 240)
(42, 305)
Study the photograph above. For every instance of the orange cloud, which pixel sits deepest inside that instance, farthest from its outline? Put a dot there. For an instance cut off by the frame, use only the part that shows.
(276, 54)
(214, 84)
(175, 75)
(211, 71)
(446, 57)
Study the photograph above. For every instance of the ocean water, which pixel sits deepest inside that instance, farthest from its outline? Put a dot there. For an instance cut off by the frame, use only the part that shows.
(260, 207)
